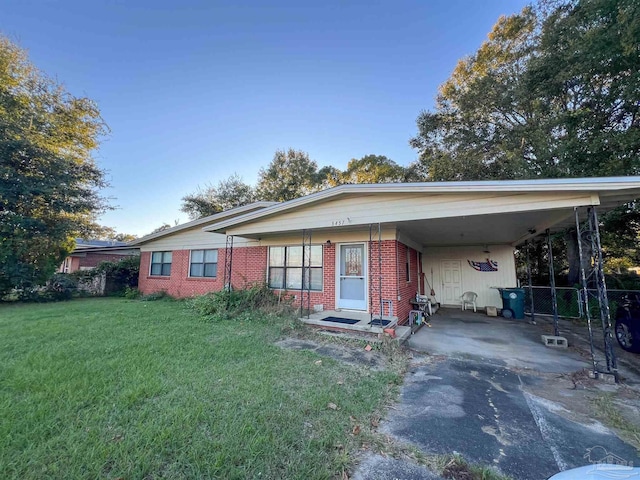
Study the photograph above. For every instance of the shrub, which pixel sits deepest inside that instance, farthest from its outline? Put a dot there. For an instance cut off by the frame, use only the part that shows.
(160, 295)
(257, 298)
(131, 293)
(61, 286)
(120, 275)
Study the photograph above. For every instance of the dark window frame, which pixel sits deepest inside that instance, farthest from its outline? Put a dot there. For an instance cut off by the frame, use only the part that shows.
(285, 268)
(204, 263)
(165, 267)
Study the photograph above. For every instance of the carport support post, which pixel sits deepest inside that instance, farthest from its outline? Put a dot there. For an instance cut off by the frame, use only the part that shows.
(228, 263)
(305, 284)
(603, 297)
(529, 278)
(552, 282)
(380, 271)
(370, 275)
(584, 293)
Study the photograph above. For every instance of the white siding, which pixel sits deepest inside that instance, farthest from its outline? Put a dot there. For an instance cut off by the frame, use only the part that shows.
(193, 239)
(335, 236)
(350, 211)
(472, 280)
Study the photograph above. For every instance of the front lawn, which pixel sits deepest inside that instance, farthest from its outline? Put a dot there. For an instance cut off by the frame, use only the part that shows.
(114, 388)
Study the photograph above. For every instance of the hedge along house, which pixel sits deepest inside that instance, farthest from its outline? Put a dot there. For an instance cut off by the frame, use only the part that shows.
(371, 248)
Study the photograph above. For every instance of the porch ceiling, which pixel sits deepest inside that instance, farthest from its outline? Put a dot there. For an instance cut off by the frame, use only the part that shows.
(500, 228)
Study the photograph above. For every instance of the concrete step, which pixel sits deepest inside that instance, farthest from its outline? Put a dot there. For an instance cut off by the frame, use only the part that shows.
(402, 334)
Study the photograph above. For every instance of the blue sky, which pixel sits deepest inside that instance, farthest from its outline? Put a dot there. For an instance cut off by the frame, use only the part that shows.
(194, 91)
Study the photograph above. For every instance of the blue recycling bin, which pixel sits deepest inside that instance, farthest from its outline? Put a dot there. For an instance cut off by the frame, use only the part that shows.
(512, 303)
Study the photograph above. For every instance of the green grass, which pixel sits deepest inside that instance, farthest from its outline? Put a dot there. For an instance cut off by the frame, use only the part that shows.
(114, 388)
(607, 410)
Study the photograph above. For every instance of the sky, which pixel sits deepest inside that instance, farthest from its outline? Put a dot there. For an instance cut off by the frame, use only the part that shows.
(195, 91)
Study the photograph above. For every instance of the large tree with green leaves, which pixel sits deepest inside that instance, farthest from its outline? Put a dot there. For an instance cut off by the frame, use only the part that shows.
(291, 174)
(49, 181)
(553, 92)
(229, 193)
(374, 169)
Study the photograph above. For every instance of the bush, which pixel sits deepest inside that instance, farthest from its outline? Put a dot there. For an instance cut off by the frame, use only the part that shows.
(131, 293)
(120, 275)
(225, 304)
(161, 295)
(61, 286)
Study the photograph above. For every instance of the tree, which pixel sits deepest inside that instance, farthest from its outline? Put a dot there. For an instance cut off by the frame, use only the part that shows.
(586, 76)
(49, 181)
(161, 228)
(124, 237)
(481, 126)
(290, 175)
(229, 193)
(373, 169)
(552, 93)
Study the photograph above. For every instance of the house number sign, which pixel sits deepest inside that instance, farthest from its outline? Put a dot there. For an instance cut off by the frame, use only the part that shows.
(340, 222)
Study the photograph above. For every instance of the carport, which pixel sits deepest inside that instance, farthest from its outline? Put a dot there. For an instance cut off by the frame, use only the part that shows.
(430, 219)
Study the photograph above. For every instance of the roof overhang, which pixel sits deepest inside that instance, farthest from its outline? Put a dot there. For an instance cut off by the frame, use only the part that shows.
(441, 213)
(204, 221)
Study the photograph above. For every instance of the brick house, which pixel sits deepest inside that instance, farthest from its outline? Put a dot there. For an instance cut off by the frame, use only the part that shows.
(89, 253)
(371, 248)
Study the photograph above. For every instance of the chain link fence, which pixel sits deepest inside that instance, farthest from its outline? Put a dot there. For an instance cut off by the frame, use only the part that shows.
(569, 304)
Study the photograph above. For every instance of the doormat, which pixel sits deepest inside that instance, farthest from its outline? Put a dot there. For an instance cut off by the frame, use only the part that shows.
(349, 321)
(377, 321)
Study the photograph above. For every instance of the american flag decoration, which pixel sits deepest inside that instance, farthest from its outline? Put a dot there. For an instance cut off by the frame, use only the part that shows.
(488, 266)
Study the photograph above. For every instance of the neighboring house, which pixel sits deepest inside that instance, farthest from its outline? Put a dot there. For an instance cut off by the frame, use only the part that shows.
(375, 246)
(89, 253)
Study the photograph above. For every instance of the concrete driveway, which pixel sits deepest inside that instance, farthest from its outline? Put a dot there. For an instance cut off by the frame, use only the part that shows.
(491, 391)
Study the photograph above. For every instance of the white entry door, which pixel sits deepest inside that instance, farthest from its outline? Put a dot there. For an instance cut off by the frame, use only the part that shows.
(352, 277)
(450, 273)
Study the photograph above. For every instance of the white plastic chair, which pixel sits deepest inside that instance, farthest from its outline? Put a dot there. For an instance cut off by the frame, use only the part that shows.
(469, 298)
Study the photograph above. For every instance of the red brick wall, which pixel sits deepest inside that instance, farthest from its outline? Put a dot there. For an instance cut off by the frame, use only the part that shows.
(248, 266)
(406, 290)
(93, 259)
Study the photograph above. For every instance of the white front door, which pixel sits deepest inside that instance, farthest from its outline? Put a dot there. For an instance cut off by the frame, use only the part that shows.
(352, 277)
(451, 275)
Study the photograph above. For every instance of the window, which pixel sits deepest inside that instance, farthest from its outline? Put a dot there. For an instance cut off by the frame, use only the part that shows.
(204, 263)
(285, 267)
(161, 263)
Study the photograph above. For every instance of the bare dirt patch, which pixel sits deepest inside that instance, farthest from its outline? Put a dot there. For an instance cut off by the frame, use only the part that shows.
(342, 352)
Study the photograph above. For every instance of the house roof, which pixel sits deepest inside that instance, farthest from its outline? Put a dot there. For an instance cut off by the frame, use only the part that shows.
(222, 216)
(84, 243)
(124, 249)
(439, 211)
